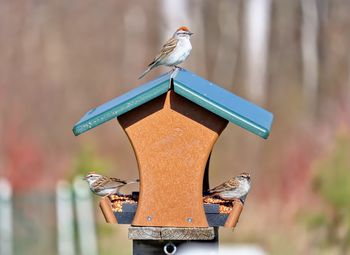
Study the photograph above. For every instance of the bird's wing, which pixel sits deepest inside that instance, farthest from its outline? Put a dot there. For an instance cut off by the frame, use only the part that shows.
(132, 181)
(116, 180)
(166, 49)
(228, 185)
(108, 183)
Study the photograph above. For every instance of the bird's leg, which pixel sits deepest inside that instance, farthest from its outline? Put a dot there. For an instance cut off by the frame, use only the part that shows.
(109, 195)
(116, 192)
(178, 67)
(112, 193)
(237, 200)
(175, 70)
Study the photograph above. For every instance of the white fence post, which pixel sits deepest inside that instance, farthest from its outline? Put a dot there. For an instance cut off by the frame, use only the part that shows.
(85, 217)
(65, 219)
(6, 227)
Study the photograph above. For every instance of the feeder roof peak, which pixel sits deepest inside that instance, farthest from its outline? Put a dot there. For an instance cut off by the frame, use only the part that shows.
(188, 85)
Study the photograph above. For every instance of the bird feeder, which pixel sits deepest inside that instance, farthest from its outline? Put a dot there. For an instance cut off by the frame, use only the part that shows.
(173, 123)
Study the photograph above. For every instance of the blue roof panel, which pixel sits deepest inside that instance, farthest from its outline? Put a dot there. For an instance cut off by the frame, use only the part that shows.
(223, 103)
(123, 104)
(196, 89)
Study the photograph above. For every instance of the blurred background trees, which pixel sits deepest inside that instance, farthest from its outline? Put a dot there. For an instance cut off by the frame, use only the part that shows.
(331, 222)
(61, 58)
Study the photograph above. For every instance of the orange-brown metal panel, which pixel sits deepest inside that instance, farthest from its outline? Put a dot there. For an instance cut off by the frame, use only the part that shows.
(233, 218)
(106, 208)
(172, 139)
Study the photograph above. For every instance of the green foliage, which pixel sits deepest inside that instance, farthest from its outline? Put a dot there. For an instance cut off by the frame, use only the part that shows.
(88, 160)
(332, 182)
(331, 227)
(312, 220)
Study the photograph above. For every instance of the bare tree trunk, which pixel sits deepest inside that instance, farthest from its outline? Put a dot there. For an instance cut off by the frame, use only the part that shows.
(175, 14)
(257, 33)
(348, 87)
(309, 49)
(256, 24)
(228, 43)
(198, 55)
(134, 34)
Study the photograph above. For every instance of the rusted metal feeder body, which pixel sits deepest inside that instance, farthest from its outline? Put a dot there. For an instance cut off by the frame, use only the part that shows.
(172, 139)
(172, 124)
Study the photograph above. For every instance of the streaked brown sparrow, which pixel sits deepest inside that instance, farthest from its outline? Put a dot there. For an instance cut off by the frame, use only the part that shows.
(174, 51)
(105, 186)
(235, 188)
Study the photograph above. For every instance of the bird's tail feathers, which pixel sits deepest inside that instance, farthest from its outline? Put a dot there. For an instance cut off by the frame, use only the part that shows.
(132, 181)
(150, 67)
(144, 73)
(210, 193)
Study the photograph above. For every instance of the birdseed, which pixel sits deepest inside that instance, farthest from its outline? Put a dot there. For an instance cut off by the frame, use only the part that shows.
(117, 201)
(225, 206)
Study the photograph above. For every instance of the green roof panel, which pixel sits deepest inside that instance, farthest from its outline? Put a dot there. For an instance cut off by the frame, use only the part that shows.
(122, 104)
(196, 89)
(223, 103)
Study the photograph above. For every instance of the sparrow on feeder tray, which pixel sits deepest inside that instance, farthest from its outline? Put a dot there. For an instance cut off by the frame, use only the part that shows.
(235, 188)
(105, 186)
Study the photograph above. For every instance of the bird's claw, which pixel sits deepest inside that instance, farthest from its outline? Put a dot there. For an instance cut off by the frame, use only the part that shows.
(179, 67)
(174, 72)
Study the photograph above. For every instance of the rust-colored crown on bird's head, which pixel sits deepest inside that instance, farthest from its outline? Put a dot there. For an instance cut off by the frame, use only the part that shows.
(183, 28)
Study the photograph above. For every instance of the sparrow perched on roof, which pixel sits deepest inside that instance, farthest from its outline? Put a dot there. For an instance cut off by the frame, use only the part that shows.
(235, 188)
(105, 186)
(174, 51)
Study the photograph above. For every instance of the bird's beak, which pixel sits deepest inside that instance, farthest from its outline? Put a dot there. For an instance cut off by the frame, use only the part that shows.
(84, 178)
(190, 33)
